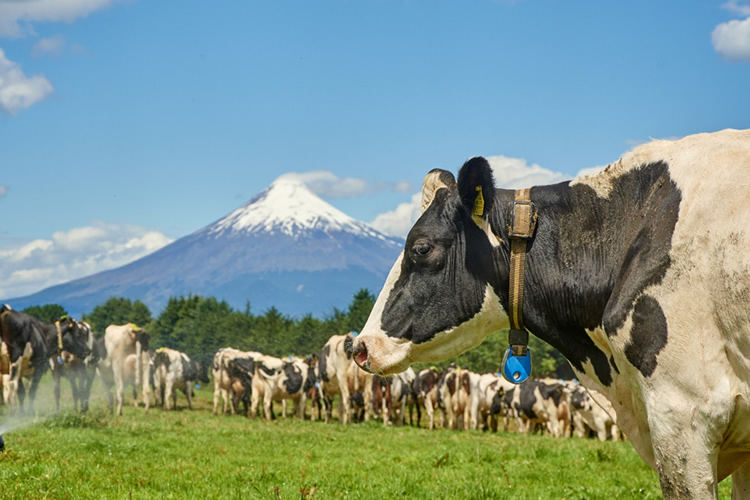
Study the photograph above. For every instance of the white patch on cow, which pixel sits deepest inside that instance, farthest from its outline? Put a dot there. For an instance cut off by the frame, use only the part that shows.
(490, 318)
(599, 337)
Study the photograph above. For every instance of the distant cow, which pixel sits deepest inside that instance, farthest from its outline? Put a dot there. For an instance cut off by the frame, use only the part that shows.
(425, 388)
(455, 392)
(339, 375)
(535, 403)
(594, 414)
(230, 383)
(174, 370)
(121, 342)
(39, 342)
(488, 387)
(639, 275)
(281, 380)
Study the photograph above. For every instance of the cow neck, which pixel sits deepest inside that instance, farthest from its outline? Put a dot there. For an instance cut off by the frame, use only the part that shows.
(521, 226)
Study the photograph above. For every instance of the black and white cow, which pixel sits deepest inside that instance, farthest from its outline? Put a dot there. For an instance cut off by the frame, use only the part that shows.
(174, 370)
(639, 275)
(49, 343)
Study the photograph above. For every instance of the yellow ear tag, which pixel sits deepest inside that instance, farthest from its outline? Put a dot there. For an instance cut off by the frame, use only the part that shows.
(478, 203)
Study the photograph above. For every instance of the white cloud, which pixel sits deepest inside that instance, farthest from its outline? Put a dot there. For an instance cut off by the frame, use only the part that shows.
(16, 16)
(329, 185)
(3, 190)
(732, 39)
(398, 222)
(17, 91)
(48, 46)
(73, 254)
(510, 173)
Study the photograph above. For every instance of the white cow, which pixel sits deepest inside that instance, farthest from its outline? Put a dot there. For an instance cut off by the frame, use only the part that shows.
(122, 341)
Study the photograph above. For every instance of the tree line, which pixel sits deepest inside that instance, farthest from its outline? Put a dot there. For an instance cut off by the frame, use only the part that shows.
(199, 326)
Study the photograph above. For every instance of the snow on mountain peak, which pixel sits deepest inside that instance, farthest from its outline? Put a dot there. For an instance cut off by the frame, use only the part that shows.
(288, 206)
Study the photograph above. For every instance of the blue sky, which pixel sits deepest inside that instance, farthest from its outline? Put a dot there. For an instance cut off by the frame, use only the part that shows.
(127, 124)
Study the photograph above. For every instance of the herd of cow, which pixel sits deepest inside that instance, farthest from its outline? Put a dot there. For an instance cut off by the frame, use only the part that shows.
(122, 358)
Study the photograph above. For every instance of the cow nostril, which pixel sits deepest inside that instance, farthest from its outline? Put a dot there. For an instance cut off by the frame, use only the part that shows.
(360, 354)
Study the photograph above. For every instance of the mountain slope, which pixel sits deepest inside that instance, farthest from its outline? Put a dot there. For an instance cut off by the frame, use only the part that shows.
(286, 248)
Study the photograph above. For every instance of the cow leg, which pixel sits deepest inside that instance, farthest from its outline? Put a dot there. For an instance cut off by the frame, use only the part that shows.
(167, 401)
(189, 395)
(267, 408)
(686, 465)
(56, 379)
(741, 482)
(38, 372)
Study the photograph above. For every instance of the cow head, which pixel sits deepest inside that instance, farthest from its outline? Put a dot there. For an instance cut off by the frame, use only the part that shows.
(75, 339)
(202, 368)
(442, 295)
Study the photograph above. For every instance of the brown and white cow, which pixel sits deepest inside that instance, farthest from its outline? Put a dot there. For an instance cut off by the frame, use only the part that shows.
(426, 390)
(122, 341)
(230, 383)
(639, 275)
(455, 393)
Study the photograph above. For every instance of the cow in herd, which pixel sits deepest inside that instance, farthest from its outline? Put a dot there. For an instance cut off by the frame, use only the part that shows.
(639, 275)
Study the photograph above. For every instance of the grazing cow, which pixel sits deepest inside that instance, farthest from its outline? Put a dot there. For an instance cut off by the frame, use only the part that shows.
(120, 342)
(639, 275)
(232, 384)
(174, 370)
(594, 414)
(27, 338)
(426, 393)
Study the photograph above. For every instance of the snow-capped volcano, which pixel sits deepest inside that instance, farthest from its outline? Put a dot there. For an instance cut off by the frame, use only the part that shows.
(286, 248)
(287, 206)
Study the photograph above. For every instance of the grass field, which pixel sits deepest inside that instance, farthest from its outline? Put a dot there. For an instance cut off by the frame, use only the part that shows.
(193, 454)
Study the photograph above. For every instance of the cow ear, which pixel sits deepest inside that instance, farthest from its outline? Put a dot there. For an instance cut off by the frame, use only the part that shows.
(476, 186)
(434, 180)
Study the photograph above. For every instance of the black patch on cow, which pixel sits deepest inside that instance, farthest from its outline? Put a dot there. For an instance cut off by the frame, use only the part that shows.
(527, 398)
(189, 369)
(349, 346)
(578, 399)
(322, 363)
(293, 380)
(310, 380)
(648, 336)
(551, 391)
(498, 402)
(267, 370)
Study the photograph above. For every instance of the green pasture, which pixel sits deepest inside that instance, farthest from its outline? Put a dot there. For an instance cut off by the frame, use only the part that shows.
(194, 454)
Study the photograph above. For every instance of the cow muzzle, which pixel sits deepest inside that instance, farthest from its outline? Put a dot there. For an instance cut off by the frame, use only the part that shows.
(380, 356)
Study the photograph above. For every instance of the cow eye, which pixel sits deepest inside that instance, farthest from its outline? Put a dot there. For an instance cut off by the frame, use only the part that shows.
(422, 248)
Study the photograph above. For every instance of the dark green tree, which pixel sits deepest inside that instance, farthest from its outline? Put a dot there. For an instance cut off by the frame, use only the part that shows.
(118, 311)
(359, 309)
(46, 312)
